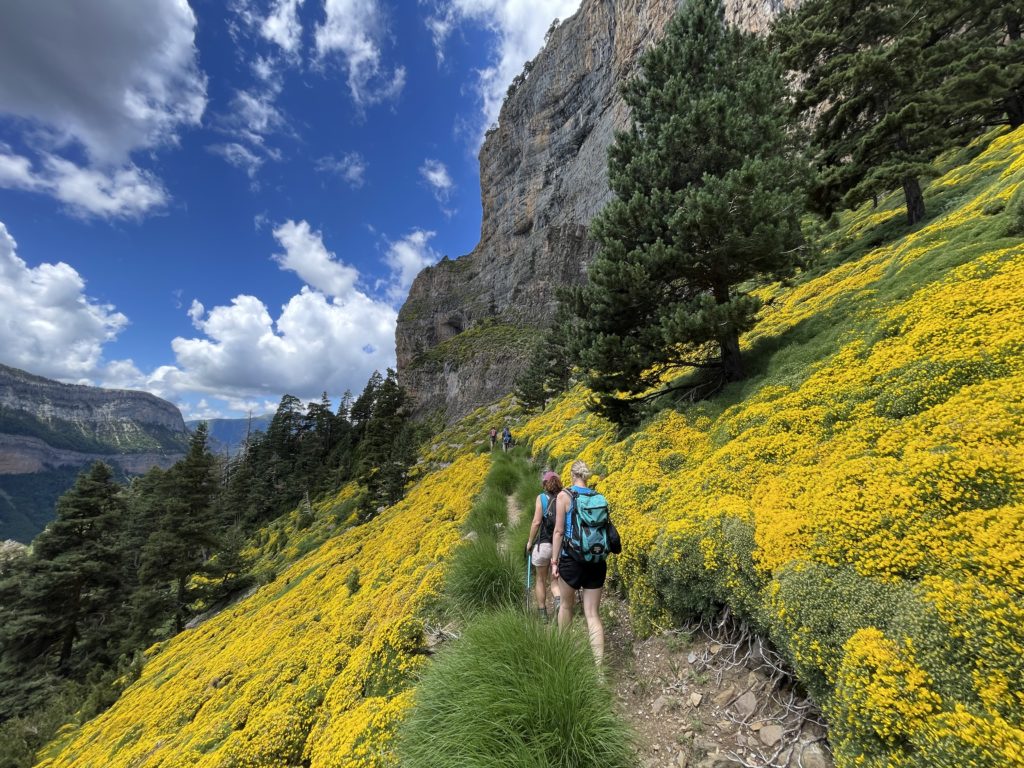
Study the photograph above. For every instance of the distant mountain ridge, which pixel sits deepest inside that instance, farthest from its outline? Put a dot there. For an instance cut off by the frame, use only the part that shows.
(49, 431)
(228, 435)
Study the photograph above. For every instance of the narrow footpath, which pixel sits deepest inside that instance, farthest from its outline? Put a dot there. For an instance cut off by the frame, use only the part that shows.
(706, 696)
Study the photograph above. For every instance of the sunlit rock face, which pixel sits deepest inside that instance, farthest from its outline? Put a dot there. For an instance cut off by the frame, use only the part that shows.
(50, 430)
(543, 177)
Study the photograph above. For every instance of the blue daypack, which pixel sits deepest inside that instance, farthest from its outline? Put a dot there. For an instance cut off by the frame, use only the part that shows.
(587, 535)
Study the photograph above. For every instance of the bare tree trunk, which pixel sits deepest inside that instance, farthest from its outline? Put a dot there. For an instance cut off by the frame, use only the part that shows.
(729, 342)
(915, 199)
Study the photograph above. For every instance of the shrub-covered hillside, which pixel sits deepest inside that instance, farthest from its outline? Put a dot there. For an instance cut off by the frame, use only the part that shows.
(860, 499)
(314, 667)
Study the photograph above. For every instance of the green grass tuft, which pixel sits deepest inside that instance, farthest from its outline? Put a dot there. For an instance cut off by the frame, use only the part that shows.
(481, 576)
(489, 513)
(513, 693)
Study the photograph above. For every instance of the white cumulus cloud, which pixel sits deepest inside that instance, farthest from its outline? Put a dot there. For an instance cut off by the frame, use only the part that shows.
(127, 192)
(306, 255)
(355, 30)
(48, 325)
(331, 335)
(519, 27)
(114, 75)
(316, 343)
(109, 76)
(406, 258)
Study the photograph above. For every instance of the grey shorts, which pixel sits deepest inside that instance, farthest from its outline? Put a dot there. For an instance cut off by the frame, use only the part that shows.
(541, 554)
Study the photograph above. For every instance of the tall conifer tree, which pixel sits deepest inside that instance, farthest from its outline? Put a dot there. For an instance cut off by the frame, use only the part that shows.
(708, 192)
(60, 607)
(188, 528)
(889, 84)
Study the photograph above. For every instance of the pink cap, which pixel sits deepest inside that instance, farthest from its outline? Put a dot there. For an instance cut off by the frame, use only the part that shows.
(547, 476)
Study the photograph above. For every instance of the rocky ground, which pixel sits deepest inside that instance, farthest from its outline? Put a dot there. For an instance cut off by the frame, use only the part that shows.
(707, 696)
(710, 697)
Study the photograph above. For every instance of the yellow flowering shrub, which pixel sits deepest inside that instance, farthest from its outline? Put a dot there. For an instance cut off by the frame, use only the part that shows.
(861, 497)
(883, 688)
(304, 672)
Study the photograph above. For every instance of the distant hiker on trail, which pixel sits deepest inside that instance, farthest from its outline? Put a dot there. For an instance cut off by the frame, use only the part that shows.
(538, 545)
(506, 438)
(581, 541)
(494, 437)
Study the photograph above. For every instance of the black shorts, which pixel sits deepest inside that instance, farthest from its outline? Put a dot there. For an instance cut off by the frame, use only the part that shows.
(582, 575)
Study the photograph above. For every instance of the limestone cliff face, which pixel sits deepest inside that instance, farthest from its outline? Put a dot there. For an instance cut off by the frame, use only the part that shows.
(121, 420)
(49, 430)
(543, 177)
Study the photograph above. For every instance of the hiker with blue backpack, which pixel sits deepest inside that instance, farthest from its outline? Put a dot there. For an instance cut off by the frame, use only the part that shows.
(583, 538)
(538, 544)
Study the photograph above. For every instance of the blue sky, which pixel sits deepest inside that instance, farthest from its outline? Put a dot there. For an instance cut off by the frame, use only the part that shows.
(220, 201)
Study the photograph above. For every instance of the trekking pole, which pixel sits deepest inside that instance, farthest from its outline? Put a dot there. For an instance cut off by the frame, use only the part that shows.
(527, 581)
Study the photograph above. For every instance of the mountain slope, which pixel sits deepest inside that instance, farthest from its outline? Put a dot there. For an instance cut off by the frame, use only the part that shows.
(860, 500)
(315, 666)
(49, 431)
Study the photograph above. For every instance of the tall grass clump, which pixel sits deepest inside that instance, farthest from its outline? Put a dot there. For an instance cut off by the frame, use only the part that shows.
(504, 473)
(514, 694)
(483, 576)
(488, 513)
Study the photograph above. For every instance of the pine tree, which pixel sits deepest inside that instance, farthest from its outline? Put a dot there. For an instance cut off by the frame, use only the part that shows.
(997, 23)
(550, 368)
(384, 451)
(362, 408)
(60, 607)
(187, 533)
(708, 191)
(890, 84)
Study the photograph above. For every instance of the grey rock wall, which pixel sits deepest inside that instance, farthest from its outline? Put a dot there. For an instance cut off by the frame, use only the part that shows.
(543, 177)
(114, 413)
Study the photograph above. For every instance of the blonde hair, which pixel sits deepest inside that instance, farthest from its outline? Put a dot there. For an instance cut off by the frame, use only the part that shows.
(580, 470)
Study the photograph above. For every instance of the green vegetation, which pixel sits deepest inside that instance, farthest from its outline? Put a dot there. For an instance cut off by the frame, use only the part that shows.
(486, 337)
(482, 576)
(890, 85)
(510, 686)
(511, 691)
(483, 573)
(708, 189)
(550, 370)
(123, 567)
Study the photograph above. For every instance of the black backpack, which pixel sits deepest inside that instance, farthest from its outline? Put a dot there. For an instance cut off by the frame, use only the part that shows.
(547, 520)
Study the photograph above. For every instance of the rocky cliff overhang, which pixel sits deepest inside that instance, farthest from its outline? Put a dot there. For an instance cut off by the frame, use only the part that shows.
(465, 332)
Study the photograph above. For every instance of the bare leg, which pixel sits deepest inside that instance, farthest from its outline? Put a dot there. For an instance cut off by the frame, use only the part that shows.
(591, 609)
(540, 588)
(567, 603)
